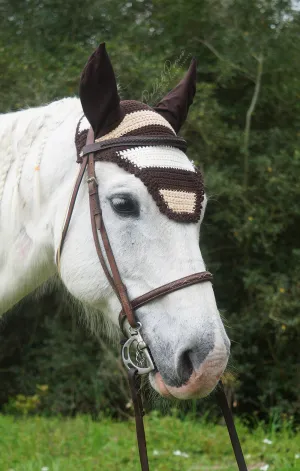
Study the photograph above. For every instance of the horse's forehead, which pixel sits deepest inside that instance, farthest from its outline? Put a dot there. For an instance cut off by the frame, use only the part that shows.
(170, 177)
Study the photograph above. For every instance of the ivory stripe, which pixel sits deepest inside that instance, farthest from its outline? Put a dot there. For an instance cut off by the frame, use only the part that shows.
(157, 156)
(136, 120)
(179, 201)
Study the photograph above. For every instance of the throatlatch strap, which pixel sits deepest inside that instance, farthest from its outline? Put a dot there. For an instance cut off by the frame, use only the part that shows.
(70, 210)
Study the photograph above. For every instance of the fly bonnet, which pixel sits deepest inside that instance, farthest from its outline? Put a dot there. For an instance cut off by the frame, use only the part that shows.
(173, 181)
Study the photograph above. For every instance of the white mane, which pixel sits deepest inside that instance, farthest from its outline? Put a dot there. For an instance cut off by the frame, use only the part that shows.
(24, 136)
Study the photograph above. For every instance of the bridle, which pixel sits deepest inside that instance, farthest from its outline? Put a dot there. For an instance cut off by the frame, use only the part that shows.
(131, 328)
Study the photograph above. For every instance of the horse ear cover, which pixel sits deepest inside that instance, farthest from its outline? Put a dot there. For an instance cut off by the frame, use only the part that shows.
(98, 93)
(101, 102)
(175, 105)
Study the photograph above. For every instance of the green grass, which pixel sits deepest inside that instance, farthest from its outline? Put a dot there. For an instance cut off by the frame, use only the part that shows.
(29, 444)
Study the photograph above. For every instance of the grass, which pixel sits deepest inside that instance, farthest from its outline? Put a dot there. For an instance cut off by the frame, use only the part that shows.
(55, 444)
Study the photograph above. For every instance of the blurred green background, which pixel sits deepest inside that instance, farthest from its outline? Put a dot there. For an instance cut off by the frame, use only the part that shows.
(243, 131)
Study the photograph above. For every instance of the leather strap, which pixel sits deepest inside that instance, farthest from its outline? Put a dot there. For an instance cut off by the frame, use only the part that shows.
(223, 404)
(140, 430)
(131, 141)
(135, 384)
(70, 209)
(170, 287)
(98, 224)
(166, 289)
(96, 218)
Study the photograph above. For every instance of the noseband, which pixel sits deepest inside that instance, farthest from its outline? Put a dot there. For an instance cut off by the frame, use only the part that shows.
(142, 362)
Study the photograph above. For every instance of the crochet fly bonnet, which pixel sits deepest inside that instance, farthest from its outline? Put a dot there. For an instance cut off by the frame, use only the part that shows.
(173, 181)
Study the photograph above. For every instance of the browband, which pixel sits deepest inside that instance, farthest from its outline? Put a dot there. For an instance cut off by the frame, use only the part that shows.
(131, 141)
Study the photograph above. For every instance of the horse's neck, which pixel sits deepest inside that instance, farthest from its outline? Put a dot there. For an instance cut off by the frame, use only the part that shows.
(38, 166)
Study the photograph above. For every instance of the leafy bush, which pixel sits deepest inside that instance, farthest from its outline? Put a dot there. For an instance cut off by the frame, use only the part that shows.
(55, 364)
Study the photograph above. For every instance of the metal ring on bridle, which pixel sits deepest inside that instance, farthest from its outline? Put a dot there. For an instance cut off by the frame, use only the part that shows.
(137, 347)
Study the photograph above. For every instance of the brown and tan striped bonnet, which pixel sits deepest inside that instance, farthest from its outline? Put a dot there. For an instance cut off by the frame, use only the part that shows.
(173, 181)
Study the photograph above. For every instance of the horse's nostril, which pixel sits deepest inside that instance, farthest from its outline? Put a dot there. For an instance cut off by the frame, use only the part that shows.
(191, 359)
(185, 366)
(178, 366)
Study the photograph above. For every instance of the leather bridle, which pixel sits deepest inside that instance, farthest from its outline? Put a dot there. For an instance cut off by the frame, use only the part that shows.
(143, 362)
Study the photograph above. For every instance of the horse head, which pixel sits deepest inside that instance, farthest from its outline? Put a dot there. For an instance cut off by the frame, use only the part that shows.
(153, 202)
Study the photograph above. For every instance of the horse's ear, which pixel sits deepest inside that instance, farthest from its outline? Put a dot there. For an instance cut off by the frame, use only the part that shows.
(175, 105)
(98, 93)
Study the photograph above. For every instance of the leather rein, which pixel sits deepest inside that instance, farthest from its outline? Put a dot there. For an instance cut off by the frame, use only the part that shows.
(140, 362)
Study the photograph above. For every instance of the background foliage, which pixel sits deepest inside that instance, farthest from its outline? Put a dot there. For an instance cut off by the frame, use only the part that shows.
(243, 131)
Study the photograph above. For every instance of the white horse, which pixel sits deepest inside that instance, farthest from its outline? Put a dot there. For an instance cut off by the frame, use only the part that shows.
(38, 166)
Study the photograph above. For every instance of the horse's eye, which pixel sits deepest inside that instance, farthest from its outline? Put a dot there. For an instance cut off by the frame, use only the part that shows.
(125, 205)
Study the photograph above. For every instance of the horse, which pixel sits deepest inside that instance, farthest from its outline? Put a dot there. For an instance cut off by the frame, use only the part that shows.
(152, 201)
